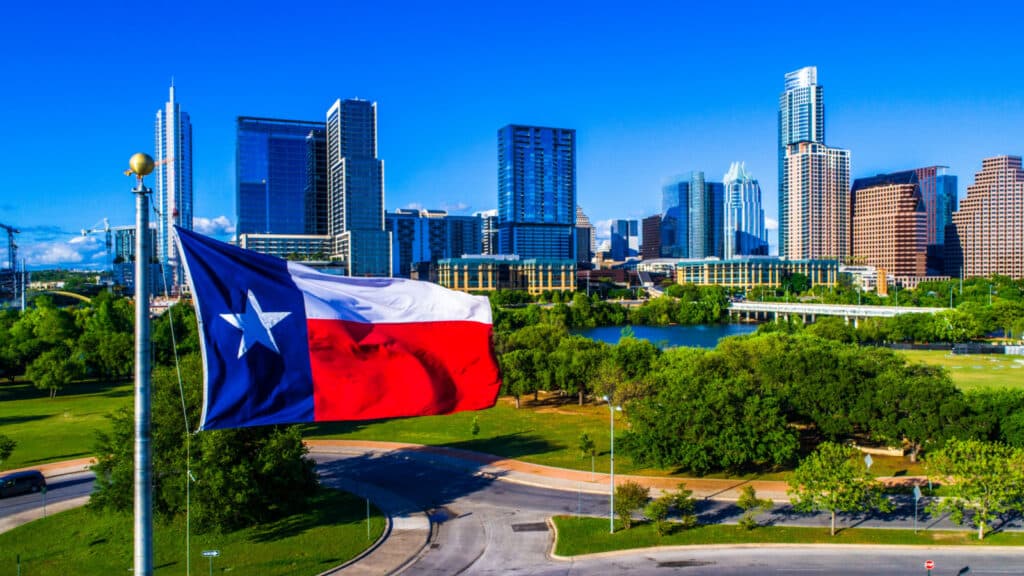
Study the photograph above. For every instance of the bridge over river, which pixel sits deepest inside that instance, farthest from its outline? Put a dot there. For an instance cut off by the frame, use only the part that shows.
(808, 312)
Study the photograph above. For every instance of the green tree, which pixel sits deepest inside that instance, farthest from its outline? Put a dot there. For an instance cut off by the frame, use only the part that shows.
(474, 427)
(587, 447)
(918, 404)
(243, 476)
(832, 479)
(7, 446)
(54, 369)
(709, 411)
(751, 506)
(629, 496)
(983, 479)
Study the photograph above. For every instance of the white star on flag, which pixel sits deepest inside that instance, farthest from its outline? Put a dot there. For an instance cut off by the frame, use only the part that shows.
(255, 325)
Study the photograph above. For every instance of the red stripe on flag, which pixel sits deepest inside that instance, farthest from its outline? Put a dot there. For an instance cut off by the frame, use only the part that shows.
(366, 371)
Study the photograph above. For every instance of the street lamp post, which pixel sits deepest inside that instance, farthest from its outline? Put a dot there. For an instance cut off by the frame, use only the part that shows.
(611, 477)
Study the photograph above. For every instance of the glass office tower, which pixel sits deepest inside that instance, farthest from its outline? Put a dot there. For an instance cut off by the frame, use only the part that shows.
(744, 232)
(537, 192)
(173, 199)
(276, 172)
(356, 189)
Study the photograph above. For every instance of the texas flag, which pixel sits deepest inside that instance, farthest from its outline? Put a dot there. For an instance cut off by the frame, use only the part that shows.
(283, 343)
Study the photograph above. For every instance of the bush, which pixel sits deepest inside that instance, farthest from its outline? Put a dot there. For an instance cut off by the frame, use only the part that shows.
(629, 496)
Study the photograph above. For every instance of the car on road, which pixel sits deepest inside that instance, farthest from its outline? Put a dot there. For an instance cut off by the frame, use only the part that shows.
(21, 482)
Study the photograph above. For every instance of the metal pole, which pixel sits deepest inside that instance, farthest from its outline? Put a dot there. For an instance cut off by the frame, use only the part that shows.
(367, 518)
(143, 486)
(211, 565)
(915, 515)
(611, 505)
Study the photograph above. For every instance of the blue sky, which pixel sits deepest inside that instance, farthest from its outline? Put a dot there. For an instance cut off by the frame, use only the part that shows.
(654, 89)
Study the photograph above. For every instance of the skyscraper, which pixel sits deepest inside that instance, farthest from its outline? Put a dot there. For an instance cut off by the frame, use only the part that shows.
(987, 235)
(818, 204)
(889, 229)
(537, 191)
(651, 228)
(939, 192)
(173, 185)
(625, 239)
(814, 180)
(425, 236)
(356, 189)
(273, 163)
(743, 227)
(692, 219)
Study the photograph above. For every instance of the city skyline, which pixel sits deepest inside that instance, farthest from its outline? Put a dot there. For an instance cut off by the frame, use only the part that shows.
(938, 100)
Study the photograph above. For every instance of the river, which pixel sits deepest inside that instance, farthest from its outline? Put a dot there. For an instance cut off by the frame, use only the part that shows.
(698, 335)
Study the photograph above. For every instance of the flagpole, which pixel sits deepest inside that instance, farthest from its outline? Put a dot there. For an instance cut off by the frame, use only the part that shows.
(141, 165)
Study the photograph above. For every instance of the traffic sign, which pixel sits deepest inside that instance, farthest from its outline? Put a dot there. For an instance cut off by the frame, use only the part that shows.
(215, 553)
(928, 564)
(917, 493)
(868, 461)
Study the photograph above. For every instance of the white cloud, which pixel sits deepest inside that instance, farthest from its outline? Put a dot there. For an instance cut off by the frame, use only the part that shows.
(56, 253)
(219, 226)
(771, 224)
(602, 229)
(455, 207)
(413, 206)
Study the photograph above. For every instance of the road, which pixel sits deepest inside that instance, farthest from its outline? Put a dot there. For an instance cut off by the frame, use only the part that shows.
(487, 526)
(483, 525)
(62, 492)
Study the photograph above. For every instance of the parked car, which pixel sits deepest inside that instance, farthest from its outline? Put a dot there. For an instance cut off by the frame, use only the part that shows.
(21, 482)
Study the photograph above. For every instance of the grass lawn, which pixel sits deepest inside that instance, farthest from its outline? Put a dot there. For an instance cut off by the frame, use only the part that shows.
(578, 535)
(975, 371)
(60, 429)
(84, 542)
(543, 432)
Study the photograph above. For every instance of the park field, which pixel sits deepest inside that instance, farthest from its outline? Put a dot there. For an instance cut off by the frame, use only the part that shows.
(59, 429)
(87, 542)
(972, 372)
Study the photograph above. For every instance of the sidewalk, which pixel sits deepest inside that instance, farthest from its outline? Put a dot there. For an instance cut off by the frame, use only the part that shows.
(561, 478)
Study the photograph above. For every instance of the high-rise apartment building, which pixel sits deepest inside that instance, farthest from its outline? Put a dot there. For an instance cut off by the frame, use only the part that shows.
(537, 191)
(356, 189)
(890, 222)
(280, 178)
(124, 259)
(814, 179)
(173, 185)
(939, 192)
(987, 235)
(818, 203)
(743, 233)
(489, 221)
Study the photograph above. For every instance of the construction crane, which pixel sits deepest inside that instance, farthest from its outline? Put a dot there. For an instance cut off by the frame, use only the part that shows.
(12, 259)
(108, 240)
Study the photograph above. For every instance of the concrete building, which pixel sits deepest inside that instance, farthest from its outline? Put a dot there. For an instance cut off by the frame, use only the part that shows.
(987, 235)
(506, 272)
(816, 208)
(890, 223)
(651, 229)
(753, 272)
